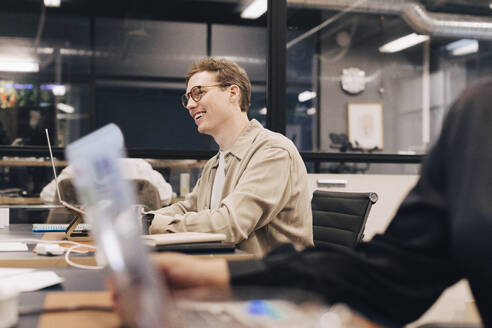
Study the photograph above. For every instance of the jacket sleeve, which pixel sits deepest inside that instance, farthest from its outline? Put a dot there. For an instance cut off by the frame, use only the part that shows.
(395, 276)
(164, 217)
(258, 197)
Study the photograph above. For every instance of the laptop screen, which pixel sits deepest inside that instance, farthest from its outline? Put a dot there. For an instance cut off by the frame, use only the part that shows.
(67, 205)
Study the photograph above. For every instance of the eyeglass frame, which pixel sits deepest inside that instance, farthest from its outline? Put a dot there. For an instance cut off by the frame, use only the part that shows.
(186, 97)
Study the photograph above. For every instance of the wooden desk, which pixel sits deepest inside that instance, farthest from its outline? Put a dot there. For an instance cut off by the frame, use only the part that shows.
(31, 162)
(32, 260)
(74, 280)
(89, 285)
(20, 201)
(178, 164)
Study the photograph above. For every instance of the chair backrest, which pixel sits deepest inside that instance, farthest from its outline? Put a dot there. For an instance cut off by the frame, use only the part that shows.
(147, 193)
(339, 218)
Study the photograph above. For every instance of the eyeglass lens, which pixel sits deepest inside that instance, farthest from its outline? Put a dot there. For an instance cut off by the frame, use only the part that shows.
(195, 93)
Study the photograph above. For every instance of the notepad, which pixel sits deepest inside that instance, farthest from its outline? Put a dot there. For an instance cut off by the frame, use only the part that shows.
(182, 238)
(13, 247)
(28, 280)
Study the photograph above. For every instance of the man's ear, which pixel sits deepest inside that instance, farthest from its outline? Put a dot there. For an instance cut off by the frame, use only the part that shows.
(234, 93)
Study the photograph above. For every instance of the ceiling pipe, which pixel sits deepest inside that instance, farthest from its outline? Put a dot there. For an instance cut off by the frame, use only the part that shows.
(447, 25)
(414, 14)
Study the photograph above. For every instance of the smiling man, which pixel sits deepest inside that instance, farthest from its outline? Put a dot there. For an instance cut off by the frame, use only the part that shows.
(255, 190)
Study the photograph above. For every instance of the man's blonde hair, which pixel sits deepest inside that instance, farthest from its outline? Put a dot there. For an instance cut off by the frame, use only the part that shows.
(228, 73)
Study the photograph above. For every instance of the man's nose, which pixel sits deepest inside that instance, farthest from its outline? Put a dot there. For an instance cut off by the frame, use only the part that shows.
(191, 103)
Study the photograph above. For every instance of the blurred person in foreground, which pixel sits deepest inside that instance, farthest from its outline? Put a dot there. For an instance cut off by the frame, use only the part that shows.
(440, 234)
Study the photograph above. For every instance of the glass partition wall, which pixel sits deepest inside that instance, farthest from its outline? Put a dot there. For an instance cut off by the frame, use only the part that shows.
(75, 67)
(377, 77)
(347, 100)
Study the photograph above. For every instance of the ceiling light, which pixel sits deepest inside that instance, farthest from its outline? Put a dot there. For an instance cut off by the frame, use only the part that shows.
(18, 65)
(463, 47)
(255, 9)
(52, 3)
(403, 43)
(311, 111)
(65, 108)
(45, 51)
(263, 111)
(306, 95)
(59, 90)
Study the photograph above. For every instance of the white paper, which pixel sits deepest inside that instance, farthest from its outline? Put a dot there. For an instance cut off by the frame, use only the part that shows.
(31, 281)
(5, 272)
(13, 247)
(4, 217)
(182, 237)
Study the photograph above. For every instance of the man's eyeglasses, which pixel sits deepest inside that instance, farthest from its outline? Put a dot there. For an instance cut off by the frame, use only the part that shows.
(196, 93)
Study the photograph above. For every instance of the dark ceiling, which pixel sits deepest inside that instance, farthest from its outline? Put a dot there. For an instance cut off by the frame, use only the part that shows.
(222, 12)
(365, 27)
(217, 11)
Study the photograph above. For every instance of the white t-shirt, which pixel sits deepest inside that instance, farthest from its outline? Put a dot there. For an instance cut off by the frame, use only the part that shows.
(133, 168)
(218, 182)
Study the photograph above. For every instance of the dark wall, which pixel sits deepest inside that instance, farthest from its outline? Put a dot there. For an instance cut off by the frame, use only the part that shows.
(149, 118)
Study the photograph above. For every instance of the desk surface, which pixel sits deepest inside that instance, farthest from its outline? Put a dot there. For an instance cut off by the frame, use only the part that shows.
(180, 164)
(31, 162)
(20, 201)
(74, 280)
(32, 260)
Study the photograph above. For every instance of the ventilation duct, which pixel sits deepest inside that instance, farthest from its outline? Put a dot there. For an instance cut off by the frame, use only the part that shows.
(421, 20)
(447, 25)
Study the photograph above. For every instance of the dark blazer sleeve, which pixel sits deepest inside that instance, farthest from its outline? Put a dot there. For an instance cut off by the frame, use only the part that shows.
(398, 275)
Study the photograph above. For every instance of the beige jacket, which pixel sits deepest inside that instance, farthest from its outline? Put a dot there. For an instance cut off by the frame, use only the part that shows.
(265, 199)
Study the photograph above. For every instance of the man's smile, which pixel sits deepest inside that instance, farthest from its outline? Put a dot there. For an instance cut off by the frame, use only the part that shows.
(196, 116)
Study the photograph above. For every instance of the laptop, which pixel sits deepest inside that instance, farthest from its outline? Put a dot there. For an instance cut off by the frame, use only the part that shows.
(72, 232)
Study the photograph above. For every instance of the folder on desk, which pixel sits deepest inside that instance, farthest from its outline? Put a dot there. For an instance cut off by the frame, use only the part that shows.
(182, 238)
(188, 242)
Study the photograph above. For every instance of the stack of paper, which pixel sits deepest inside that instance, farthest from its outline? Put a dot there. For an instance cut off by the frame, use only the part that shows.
(13, 247)
(28, 280)
(182, 238)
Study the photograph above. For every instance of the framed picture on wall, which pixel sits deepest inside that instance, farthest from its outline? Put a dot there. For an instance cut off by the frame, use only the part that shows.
(365, 125)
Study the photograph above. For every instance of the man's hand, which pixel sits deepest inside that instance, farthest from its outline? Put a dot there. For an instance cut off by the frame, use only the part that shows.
(186, 273)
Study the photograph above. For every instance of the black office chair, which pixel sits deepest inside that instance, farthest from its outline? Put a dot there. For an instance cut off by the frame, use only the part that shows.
(339, 218)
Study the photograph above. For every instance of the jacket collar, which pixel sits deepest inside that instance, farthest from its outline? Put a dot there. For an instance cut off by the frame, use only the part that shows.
(245, 139)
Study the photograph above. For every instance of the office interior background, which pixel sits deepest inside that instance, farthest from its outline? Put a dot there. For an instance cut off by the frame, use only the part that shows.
(322, 72)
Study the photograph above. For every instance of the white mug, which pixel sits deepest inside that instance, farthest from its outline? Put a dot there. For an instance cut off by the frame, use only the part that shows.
(9, 298)
(184, 184)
